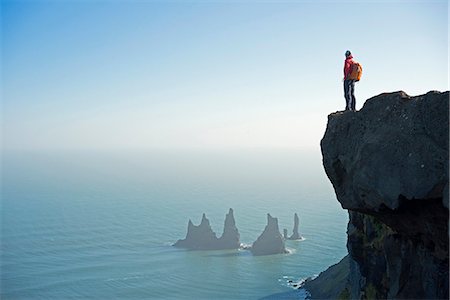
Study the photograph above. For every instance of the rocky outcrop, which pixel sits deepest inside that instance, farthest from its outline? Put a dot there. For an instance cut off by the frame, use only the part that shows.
(395, 149)
(295, 235)
(388, 164)
(332, 283)
(202, 237)
(230, 235)
(270, 241)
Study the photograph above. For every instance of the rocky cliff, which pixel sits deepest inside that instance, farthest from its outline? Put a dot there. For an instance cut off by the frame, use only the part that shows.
(388, 164)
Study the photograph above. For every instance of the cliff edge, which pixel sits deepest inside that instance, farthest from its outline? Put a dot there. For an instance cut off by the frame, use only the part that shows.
(388, 164)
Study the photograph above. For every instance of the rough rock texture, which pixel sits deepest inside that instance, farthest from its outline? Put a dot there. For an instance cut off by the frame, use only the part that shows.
(388, 164)
(395, 149)
(202, 237)
(295, 235)
(332, 283)
(270, 241)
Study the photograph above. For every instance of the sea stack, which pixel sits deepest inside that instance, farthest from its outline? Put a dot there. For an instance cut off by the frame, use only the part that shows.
(295, 235)
(270, 241)
(230, 236)
(202, 237)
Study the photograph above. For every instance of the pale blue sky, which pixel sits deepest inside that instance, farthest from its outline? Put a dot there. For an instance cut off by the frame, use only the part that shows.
(205, 74)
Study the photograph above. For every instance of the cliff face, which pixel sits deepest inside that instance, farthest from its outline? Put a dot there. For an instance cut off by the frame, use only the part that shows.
(388, 164)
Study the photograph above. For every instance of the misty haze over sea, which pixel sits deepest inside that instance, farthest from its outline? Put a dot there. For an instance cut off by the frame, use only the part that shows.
(101, 225)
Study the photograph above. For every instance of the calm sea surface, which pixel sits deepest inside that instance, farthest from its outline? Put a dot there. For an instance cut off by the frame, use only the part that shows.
(101, 225)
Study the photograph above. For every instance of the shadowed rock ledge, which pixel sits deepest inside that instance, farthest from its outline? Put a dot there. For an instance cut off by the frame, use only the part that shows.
(388, 164)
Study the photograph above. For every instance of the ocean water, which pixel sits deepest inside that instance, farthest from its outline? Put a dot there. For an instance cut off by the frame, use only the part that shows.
(101, 224)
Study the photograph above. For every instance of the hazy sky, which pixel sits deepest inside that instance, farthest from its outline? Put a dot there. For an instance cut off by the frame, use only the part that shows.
(205, 74)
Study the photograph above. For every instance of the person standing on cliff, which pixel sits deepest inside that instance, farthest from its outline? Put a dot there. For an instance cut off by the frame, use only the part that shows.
(349, 84)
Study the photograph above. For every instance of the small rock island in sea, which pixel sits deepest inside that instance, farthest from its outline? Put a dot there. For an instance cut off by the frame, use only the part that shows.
(202, 237)
(270, 241)
(295, 234)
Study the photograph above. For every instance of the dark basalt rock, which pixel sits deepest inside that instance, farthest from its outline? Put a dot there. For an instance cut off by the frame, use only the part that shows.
(394, 150)
(388, 164)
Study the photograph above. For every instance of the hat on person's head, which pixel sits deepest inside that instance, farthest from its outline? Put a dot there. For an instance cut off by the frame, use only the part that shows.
(347, 53)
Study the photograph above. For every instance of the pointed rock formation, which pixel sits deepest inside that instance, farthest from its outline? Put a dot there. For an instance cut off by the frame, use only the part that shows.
(202, 237)
(199, 237)
(295, 235)
(230, 236)
(270, 241)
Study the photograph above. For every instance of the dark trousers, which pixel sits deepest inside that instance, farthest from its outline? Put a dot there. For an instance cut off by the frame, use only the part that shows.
(349, 94)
